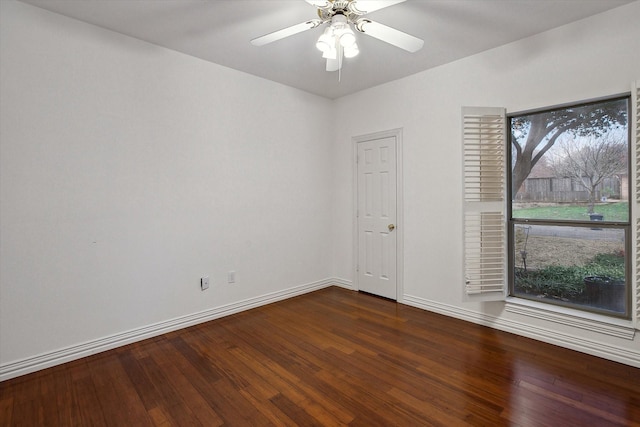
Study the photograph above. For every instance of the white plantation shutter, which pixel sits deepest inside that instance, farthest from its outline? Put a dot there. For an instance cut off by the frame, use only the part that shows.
(634, 122)
(484, 168)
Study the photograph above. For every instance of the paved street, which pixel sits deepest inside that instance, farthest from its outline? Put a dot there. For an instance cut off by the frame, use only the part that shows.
(608, 234)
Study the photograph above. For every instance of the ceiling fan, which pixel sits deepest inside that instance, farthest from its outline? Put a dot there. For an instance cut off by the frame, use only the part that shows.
(338, 40)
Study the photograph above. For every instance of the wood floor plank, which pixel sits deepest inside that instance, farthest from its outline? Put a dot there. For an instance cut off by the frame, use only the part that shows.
(294, 388)
(267, 408)
(590, 412)
(87, 403)
(329, 358)
(245, 366)
(174, 367)
(204, 375)
(160, 418)
(117, 395)
(6, 411)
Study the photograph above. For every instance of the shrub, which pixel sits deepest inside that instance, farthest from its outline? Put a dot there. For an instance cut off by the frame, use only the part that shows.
(567, 282)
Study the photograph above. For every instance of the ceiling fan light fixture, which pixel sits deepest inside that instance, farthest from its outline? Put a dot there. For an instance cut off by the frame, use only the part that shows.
(323, 46)
(337, 41)
(330, 53)
(326, 41)
(333, 65)
(351, 51)
(348, 38)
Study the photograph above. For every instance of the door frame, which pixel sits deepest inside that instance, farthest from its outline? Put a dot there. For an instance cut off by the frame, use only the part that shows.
(397, 133)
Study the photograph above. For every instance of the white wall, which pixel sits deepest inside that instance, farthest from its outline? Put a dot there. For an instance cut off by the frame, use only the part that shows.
(128, 171)
(595, 57)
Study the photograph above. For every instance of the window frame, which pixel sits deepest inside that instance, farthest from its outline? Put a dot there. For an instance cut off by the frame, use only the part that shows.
(626, 226)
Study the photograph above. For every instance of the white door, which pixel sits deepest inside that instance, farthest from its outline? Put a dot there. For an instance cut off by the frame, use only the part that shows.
(376, 217)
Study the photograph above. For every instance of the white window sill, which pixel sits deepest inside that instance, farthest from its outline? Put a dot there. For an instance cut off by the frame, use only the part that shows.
(593, 322)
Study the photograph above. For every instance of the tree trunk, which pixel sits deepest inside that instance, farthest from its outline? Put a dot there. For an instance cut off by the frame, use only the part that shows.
(521, 171)
(592, 199)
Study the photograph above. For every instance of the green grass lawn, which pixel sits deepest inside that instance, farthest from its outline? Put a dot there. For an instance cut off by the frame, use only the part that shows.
(617, 212)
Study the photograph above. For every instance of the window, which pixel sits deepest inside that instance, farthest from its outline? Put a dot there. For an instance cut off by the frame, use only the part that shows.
(569, 214)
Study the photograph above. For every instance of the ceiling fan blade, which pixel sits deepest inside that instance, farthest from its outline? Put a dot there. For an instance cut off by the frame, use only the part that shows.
(319, 3)
(361, 7)
(389, 35)
(285, 32)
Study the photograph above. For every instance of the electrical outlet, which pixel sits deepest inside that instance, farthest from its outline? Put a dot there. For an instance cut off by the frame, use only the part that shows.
(231, 277)
(204, 283)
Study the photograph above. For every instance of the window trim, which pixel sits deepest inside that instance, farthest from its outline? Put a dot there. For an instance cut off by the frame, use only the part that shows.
(565, 318)
(587, 320)
(635, 192)
(590, 101)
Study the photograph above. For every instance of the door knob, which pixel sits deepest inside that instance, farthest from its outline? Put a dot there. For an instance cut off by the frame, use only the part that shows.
(391, 227)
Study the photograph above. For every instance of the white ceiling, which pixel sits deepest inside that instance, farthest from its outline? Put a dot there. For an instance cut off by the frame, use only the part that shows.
(219, 31)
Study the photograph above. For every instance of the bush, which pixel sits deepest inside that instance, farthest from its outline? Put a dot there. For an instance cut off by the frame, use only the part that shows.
(567, 282)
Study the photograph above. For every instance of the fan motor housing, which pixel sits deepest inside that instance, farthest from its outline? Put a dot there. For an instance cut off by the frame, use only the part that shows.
(347, 8)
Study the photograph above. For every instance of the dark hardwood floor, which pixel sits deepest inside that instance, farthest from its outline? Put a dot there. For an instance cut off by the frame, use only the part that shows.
(332, 357)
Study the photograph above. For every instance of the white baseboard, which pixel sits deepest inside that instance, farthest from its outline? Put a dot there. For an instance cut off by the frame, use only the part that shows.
(594, 348)
(49, 359)
(343, 283)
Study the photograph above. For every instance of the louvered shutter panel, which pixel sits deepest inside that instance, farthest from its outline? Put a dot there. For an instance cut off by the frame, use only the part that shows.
(634, 122)
(484, 168)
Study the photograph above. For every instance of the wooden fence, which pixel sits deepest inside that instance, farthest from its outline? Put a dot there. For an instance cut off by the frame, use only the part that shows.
(568, 190)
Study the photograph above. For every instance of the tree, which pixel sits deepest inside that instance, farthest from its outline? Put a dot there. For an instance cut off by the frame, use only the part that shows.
(533, 135)
(588, 161)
